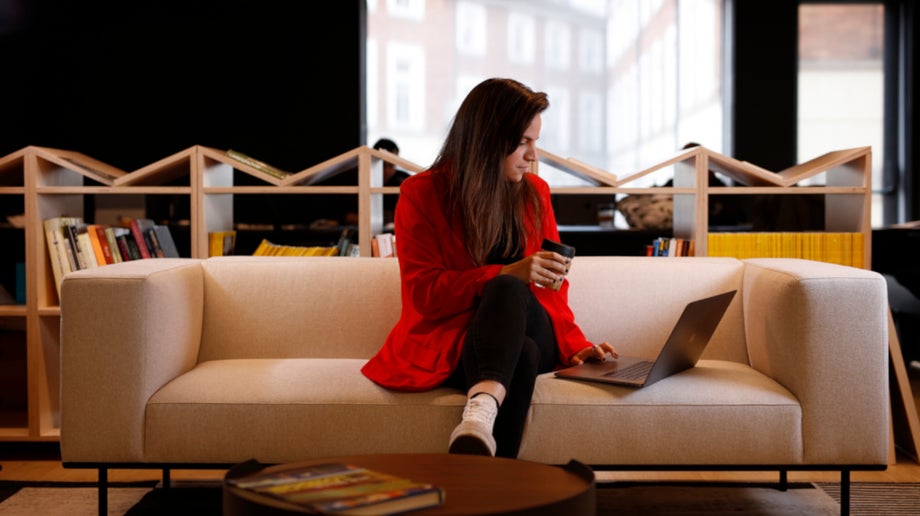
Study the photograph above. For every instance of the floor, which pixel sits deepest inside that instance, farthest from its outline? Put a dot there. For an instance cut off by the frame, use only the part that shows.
(41, 462)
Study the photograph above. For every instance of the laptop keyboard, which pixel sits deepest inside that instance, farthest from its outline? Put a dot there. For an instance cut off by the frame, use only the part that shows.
(636, 371)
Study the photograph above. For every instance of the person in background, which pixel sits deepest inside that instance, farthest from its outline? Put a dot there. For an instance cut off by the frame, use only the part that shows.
(479, 311)
(392, 176)
(724, 210)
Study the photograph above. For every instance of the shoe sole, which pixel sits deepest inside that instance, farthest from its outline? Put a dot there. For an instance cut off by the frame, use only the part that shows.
(469, 445)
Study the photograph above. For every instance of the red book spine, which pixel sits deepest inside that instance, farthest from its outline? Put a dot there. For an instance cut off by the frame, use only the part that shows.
(139, 237)
(104, 244)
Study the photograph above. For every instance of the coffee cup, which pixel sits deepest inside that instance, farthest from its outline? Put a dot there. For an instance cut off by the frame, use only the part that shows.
(565, 250)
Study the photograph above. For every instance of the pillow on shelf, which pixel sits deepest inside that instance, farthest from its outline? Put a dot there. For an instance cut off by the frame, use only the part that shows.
(647, 211)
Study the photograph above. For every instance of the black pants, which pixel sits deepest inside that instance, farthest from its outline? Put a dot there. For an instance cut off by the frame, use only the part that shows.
(510, 340)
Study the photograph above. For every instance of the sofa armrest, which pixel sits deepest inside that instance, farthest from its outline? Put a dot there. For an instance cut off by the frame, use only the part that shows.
(126, 330)
(821, 330)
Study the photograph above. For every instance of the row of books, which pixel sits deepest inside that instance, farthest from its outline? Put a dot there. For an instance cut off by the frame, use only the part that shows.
(834, 247)
(74, 245)
(671, 247)
(267, 248)
(383, 245)
(221, 243)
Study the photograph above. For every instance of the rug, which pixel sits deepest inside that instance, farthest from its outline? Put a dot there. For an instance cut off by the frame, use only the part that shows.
(713, 499)
(639, 498)
(69, 501)
(894, 498)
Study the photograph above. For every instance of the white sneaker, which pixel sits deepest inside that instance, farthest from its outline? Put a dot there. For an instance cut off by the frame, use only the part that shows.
(473, 436)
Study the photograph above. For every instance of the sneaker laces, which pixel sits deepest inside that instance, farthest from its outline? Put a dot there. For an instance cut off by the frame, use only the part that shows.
(481, 409)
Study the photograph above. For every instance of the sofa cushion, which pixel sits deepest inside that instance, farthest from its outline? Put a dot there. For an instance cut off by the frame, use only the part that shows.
(280, 410)
(718, 412)
(282, 307)
(633, 302)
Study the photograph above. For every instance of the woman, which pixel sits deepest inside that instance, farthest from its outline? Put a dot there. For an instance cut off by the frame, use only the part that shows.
(478, 309)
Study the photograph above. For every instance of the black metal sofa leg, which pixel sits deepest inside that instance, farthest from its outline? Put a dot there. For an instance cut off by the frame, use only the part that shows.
(844, 492)
(103, 491)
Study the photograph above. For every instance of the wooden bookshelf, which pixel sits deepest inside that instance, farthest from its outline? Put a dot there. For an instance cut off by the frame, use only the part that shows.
(46, 183)
(38, 183)
(844, 177)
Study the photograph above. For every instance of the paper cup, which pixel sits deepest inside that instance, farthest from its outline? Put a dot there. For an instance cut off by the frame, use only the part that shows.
(557, 247)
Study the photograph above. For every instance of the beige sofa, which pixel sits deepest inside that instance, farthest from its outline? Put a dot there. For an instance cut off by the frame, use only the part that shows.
(184, 362)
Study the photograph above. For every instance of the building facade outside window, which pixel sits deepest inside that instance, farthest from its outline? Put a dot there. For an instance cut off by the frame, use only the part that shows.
(630, 81)
(616, 72)
(841, 84)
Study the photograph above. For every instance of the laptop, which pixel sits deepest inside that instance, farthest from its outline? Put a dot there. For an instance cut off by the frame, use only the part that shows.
(682, 350)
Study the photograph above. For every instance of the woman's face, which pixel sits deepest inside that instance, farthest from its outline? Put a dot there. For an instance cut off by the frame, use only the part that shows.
(518, 162)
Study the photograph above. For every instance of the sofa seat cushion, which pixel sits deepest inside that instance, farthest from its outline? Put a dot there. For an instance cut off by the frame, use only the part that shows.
(719, 412)
(279, 410)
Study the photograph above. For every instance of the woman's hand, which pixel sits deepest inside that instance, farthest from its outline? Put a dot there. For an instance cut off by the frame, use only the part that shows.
(596, 353)
(544, 268)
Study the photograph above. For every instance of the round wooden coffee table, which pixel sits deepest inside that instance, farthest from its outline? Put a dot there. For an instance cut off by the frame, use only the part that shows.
(471, 484)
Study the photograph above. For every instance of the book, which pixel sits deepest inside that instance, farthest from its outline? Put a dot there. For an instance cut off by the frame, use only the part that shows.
(121, 236)
(109, 233)
(385, 245)
(96, 234)
(342, 488)
(70, 233)
(153, 244)
(843, 248)
(130, 246)
(55, 247)
(165, 239)
(267, 248)
(138, 226)
(86, 246)
(346, 239)
(258, 165)
(221, 243)
(59, 249)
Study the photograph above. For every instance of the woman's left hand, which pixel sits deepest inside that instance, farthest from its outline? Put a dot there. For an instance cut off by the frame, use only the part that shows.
(596, 353)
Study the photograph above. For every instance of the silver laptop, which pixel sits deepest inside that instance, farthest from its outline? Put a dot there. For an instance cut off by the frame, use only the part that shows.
(682, 350)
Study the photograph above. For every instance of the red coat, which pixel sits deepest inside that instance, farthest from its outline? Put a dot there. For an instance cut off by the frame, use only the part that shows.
(441, 288)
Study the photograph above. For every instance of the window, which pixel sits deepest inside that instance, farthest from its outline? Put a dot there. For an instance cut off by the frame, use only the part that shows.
(841, 83)
(408, 9)
(405, 86)
(521, 38)
(558, 45)
(373, 84)
(592, 51)
(471, 29)
(623, 90)
(591, 122)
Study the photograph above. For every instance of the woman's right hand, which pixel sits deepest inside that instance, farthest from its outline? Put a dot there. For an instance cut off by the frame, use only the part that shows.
(545, 268)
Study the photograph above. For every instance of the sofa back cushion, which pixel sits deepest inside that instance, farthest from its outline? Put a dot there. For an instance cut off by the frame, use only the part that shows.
(309, 307)
(321, 307)
(634, 302)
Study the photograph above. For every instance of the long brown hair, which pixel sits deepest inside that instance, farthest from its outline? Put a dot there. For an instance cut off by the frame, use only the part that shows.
(487, 128)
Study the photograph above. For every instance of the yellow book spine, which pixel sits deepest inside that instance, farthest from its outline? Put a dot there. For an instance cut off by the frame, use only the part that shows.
(858, 250)
(263, 247)
(214, 246)
(833, 248)
(847, 249)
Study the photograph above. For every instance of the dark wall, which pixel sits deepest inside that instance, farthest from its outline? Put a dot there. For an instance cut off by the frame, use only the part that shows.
(132, 82)
(762, 82)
